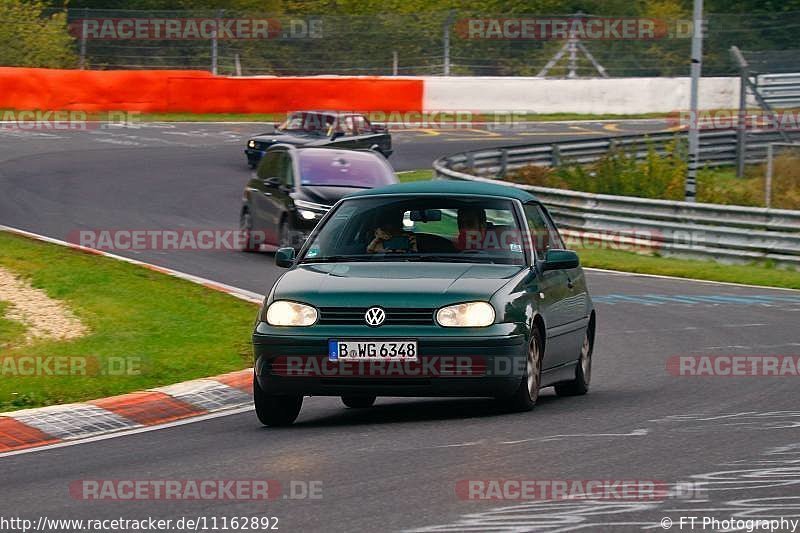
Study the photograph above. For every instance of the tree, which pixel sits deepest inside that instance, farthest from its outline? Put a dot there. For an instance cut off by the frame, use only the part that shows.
(32, 37)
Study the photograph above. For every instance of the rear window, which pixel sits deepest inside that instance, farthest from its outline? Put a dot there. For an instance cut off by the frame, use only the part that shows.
(342, 169)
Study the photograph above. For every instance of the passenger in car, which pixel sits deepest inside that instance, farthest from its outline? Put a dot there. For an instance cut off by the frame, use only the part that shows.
(471, 228)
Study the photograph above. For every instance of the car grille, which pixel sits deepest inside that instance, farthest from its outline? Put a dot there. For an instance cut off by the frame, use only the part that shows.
(395, 316)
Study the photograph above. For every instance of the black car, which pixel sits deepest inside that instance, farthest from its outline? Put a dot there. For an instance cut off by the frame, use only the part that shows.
(322, 128)
(294, 187)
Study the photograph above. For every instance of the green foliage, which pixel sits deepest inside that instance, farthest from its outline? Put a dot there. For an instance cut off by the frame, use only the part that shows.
(662, 176)
(618, 172)
(30, 38)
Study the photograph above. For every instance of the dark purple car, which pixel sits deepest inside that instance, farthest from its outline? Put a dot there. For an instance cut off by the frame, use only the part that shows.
(294, 187)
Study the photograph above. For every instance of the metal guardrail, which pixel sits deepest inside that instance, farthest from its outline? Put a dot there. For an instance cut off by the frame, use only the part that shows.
(722, 232)
(780, 90)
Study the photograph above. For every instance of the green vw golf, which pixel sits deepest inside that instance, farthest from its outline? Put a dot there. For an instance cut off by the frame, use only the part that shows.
(436, 288)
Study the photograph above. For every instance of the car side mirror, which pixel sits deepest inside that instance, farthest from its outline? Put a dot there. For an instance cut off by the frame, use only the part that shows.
(284, 257)
(273, 181)
(336, 134)
(560, 260)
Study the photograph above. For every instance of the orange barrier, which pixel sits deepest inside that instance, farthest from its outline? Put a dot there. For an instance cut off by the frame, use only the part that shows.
(199, 92)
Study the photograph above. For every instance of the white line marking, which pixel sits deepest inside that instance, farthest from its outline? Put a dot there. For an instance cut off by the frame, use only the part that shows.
(692, 280)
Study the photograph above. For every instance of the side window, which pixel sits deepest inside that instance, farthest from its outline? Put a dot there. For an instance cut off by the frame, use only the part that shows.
(543, 233)
(270, 166)
(361, 125)
(287, 171)
(556, 242)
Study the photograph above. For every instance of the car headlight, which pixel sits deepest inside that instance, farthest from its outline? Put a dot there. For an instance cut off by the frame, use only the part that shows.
(310, 210)
(283, 313)
(251, 144)
(466, 315)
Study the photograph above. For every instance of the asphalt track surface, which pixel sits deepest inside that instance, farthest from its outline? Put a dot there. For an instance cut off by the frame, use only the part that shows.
(396, 466)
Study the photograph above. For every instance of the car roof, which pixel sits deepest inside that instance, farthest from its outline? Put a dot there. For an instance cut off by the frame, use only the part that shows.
(334, 151)
(447, 186)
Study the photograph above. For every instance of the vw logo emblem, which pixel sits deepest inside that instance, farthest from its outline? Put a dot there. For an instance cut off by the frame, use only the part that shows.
(375, 316)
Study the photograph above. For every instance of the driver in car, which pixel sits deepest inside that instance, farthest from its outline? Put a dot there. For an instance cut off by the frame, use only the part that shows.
(390, 236)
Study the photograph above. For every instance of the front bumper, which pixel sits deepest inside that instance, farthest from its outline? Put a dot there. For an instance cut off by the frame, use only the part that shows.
(483, 362)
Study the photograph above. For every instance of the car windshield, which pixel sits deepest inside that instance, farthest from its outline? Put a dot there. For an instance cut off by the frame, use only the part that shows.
(419, 228)
(317, 123)
(335, 168)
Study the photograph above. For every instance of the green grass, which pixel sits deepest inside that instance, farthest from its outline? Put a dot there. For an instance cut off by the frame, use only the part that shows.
(172, 329)
(11, 331)
(415, 175)
(752, 274)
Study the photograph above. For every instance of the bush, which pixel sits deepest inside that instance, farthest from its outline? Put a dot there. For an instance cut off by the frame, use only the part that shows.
(663, 176)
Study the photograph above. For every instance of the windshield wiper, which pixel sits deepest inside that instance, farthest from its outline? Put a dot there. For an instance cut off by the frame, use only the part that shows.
(454, 259)
(336, 259)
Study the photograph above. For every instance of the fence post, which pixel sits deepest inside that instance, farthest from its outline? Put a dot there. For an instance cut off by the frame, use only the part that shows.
(84, 35)
(446, 41)
(768, 178)
(503, 163)
(555, 156)
(741, 123)
(214, 45)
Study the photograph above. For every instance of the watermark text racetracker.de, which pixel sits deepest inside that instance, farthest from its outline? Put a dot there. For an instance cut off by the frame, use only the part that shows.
(578, 27)
(735, 365)
(65, 120)
(194, 489)
(182, 28)
(69, 366)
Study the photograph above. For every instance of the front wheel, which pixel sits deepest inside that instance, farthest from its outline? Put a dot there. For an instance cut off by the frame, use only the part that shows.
(275, 410)
(583, 371)
(528, 392)
(358, 402)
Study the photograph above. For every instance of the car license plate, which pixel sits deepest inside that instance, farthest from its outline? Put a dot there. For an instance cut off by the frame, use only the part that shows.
(353, 350)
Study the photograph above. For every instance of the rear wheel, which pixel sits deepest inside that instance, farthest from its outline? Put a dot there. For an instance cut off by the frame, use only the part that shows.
(358, 402)
(248, 241)
(275, 410)
(583, 371)
(528, 392)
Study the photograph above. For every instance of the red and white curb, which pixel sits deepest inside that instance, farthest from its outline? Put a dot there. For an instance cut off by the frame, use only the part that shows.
(61, 424)
(32, 428)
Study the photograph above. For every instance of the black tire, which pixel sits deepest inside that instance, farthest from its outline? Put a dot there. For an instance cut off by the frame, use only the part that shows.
(358, 402)
(524, 398)
(248, 242)
(275, 410)
(583, 370)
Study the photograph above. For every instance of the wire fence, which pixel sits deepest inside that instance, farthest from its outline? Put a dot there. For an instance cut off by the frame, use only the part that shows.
(438, 43)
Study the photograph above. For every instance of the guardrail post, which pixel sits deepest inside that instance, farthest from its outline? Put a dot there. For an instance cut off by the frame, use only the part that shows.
(470, 162)
(555, 156)
(503, 163)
